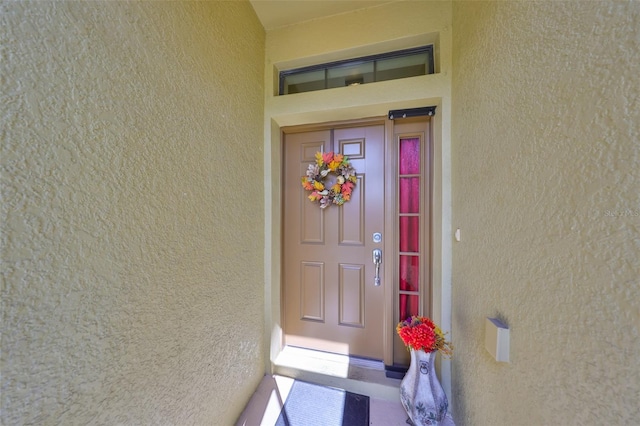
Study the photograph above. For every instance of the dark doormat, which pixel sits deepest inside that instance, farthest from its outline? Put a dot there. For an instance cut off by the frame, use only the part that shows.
(315, 405)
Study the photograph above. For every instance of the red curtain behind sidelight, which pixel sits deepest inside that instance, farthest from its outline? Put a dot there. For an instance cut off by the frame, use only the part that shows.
(409, 224)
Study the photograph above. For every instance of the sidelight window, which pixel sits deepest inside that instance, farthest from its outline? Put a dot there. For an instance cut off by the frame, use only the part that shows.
(409, 212)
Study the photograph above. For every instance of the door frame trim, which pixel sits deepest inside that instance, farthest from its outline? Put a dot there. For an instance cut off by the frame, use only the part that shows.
(399, 131)
(390, 223)
(303, 128)
(441, 273)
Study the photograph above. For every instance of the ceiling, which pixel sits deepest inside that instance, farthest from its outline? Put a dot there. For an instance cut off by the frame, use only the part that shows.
(280, 13)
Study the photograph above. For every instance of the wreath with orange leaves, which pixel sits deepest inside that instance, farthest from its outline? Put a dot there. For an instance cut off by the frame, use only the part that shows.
(336, 191)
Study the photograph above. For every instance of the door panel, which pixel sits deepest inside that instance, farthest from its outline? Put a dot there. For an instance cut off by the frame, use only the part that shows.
(351, 218)
(329, 299)
(312, 289)
(351, 296)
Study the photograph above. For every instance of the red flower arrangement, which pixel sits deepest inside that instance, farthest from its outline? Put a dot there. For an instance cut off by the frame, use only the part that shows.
(420, 333)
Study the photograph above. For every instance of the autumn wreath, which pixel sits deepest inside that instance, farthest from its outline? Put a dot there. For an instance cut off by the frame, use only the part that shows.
(331, 191)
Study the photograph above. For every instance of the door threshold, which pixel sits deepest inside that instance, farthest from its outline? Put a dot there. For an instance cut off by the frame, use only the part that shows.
(358, 375)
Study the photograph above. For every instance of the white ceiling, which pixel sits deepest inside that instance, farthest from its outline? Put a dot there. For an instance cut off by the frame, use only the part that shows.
(279, 13)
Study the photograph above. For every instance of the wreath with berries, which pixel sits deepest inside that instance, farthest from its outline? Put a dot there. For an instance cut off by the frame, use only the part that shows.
(325, 190)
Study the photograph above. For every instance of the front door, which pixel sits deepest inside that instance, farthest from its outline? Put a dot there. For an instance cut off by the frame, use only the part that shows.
(331, 300)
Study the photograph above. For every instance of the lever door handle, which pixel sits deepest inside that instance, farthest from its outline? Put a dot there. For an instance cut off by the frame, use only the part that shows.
(377, 260)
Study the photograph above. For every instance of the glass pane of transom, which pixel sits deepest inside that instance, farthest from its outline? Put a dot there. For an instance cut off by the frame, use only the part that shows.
(350, 75)
(402, 67)
(304, 82)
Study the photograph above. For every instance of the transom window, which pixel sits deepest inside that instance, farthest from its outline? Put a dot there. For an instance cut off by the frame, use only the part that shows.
(350, 72)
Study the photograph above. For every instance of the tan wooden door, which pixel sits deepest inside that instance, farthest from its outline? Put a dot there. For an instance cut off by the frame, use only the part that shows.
(330, 301)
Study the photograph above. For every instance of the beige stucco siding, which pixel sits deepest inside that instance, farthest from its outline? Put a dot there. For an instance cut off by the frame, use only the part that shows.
(132, 212)
(140, 181)
(546, 154)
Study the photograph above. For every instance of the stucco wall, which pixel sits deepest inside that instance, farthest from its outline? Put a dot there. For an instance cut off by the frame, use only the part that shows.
(132, 212)
(546, 155)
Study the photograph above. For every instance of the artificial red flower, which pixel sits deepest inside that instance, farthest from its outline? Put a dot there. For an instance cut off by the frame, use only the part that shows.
(420, 333)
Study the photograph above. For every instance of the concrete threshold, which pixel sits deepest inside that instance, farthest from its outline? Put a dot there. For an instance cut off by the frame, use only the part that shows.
(357, 375)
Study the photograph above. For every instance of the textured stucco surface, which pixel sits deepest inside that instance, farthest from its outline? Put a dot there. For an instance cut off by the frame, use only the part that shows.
(132, 212)
(546, 172)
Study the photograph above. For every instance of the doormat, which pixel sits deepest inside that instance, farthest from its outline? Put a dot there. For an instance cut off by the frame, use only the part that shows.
(315, 405)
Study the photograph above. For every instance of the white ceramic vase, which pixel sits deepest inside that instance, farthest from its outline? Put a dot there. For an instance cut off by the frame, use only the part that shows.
(421, 393)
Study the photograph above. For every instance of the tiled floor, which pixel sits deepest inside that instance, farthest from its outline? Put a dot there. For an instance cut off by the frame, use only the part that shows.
(355, 375)
(265, 405)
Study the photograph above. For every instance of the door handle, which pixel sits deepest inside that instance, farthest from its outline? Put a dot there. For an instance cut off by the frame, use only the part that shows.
(377, 260)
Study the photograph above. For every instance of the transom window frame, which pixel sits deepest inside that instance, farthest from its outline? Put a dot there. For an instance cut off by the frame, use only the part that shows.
(428, 49)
